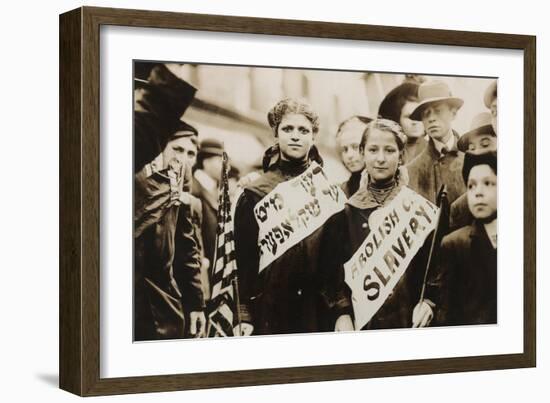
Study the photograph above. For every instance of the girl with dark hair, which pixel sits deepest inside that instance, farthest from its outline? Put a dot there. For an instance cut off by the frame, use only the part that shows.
(289, 295)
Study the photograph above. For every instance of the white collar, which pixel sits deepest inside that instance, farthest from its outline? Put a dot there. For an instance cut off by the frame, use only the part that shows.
(448, 145)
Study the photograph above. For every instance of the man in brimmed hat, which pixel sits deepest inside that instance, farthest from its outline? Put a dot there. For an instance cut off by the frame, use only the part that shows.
(481, 138)
(168, 298)
(205, 186)
(167, 248)
(440, 163)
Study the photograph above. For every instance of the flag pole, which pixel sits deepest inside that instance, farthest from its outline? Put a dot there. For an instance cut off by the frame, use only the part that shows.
(441, 196)
(238, 302)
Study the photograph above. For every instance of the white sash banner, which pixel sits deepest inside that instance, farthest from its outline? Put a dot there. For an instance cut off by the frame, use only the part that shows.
(397, 231)
(294, 210)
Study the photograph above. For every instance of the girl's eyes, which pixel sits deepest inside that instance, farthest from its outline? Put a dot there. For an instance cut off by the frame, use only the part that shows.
(301, 129)
(386, 150)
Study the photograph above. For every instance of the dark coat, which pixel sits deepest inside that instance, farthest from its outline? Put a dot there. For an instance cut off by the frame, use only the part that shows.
(413, 149)
(464, 286)
(167, 261)
(352, 184)
(209, 213)
(353, 227)
(460, 214)
(429, 171)
(292, 294)
(196, 219)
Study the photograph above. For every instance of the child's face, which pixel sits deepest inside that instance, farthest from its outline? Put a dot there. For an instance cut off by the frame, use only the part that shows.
(381, 155)
(295, 136)
(180, 149)
(437, 119)
(482, 191)
(482, 143)
(349, 144)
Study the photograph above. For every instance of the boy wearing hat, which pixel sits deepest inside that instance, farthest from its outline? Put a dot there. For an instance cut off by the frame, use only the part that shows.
(464, 286)
(440, 163)
(480, 139)
(167, 279)
(167, 287)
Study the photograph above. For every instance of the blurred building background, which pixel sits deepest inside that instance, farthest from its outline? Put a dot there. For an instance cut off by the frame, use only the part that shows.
(232, 102)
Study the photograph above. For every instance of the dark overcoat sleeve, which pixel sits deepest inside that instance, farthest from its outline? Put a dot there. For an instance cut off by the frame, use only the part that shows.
(334, 252)
(247, 252)
(439, 283)
(187, 261)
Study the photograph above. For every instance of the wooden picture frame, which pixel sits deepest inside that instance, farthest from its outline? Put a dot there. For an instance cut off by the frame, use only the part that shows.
(80, 200)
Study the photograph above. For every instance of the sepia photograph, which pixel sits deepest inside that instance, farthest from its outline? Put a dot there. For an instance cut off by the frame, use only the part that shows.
(272, 200)
(256, 201)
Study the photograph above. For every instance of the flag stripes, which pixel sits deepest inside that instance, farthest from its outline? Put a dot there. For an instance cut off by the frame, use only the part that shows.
(224, 276)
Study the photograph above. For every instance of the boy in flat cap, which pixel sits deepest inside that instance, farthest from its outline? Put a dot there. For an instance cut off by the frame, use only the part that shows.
(440, 163)
(464, 285)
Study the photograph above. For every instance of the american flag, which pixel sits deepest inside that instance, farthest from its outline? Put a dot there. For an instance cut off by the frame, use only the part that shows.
(223, 305)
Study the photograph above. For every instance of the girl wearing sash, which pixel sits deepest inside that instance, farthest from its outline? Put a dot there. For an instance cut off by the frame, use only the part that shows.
(290, 294)
(382, 210)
